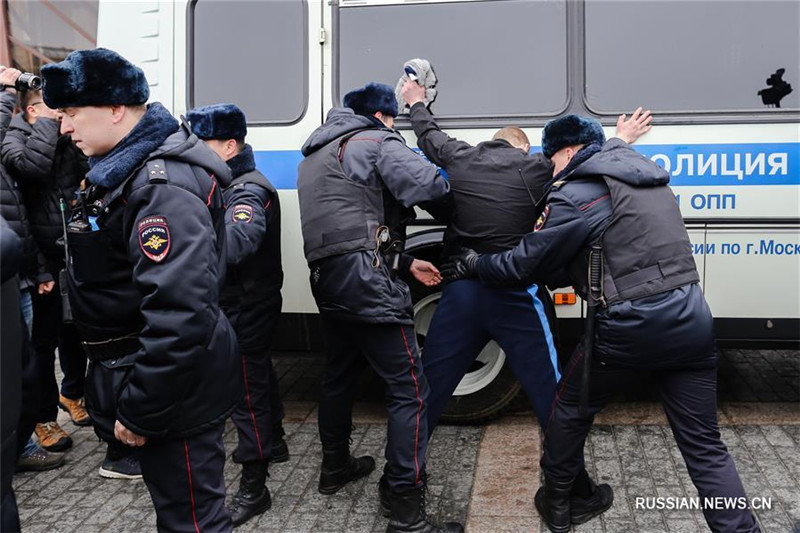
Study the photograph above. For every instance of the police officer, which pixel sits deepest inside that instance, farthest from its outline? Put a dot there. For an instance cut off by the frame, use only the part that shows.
(497, 187)
(357, 188)
(251, 300)
(147, 263)
(612, 224)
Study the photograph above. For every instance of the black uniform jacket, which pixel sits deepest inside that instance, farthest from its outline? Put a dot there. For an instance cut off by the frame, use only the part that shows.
(347, 285)
(154, 271)
(673, 328)
(47, 167)
(252, 293)
(495, 186)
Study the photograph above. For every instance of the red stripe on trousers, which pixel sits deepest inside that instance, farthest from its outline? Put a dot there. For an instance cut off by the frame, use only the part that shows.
(250, 408)
(191, 488)
(419, 400)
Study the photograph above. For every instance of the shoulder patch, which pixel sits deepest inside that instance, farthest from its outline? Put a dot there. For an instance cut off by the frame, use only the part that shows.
(542, 218)
(242, 213)
(154, 237)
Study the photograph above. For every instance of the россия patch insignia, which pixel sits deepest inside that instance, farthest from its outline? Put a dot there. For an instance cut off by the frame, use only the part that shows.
(542, 219)
(154, 237)
(242, 213)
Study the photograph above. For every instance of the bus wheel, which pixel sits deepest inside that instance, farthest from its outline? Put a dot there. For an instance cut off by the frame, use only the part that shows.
(489, 385)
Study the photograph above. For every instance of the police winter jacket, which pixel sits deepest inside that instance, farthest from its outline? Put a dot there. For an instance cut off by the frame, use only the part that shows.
(153, 271)
(348, 285)
(670, 328)
(33, 269)
(495, 186)
(252, 292)
(47, 167)
(11, 330)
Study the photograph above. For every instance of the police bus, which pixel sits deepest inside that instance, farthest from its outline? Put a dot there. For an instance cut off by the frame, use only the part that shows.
(720, 76)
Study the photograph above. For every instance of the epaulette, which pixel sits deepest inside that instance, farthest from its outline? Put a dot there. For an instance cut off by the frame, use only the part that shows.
(156, 171)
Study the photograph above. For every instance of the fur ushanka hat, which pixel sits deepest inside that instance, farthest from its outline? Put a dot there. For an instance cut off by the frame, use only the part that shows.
(218, 121)
(570, 130)
(371, 98)
(98, 77)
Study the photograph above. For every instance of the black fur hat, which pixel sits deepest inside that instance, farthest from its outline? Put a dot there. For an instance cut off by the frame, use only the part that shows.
(98, 77)
(218, 121)
(371, 98)
(570, 130)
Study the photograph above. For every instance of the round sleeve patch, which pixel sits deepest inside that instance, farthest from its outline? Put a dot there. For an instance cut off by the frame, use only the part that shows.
(242, 213)
(154, 237)
(542, 219)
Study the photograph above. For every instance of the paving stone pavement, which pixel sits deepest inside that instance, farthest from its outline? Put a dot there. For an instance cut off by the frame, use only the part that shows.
(482, 476)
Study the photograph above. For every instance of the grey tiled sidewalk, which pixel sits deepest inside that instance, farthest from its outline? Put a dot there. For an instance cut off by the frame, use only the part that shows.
(482, 476)
(644, 461)
(75, 499)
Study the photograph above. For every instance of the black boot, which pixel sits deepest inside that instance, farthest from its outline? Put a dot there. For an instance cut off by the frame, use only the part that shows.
(588, 499)
(278, 449)
(385, 497)
(408, 514)
(552, 501)
(340, 468)
(253, 496)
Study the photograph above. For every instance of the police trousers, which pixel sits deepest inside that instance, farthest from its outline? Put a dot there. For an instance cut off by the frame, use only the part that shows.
(689, 398)
(468, 316)
(261, 409)
(185, 480)
(391, 350)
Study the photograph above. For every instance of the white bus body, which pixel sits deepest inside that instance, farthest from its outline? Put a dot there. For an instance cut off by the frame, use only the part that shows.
(735, 162)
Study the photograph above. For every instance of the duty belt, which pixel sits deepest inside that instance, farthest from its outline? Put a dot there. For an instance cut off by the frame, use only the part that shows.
(111, 348)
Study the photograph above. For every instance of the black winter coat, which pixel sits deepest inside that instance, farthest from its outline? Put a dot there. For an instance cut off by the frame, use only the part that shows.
(670, 329)
(251, 297)
(11, 331)
(348, 286)
(33, 268)
(47, 167)
(153, 271)
(495, 186)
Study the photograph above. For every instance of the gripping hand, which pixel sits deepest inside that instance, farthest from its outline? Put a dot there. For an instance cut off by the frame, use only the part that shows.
(463, 265)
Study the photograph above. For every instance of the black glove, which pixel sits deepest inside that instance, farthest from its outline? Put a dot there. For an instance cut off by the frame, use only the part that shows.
(463, 265)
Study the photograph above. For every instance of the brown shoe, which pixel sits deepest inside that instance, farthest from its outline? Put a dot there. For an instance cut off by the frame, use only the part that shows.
(52, 438)
(77, 412)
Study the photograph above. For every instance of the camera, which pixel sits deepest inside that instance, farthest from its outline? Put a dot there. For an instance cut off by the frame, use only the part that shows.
(27, 81)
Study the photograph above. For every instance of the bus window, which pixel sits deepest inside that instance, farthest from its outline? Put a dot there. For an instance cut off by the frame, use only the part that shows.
(251, 53)
(493, 59)
(705, 56)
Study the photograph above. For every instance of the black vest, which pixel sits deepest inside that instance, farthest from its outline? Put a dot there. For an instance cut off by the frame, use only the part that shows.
(340, 215)
(645, 247)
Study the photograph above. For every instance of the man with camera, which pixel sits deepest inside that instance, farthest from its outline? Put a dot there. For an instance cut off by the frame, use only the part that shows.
(33, 276)
(147, 261)
(49, 169)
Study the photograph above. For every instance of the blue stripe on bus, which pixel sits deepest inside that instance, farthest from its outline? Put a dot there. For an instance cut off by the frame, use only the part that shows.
(721, 164)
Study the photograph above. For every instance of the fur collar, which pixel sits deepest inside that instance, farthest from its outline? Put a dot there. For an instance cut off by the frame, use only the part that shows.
(583, 154)
(151, 131)
(242, 163)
